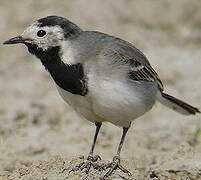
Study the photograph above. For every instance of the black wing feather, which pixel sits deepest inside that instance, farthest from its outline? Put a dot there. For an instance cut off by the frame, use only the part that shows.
(140, 68)
(140, 72)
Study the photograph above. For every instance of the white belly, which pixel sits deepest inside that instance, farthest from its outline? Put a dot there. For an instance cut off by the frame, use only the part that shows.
(81, 104)
(121, 103)
(112, 101)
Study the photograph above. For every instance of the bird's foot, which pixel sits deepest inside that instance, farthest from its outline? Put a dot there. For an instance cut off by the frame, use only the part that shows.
(115, 164)
(86, 165)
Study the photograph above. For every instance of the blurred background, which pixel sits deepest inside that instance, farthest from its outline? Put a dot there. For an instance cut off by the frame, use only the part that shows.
(35, 123)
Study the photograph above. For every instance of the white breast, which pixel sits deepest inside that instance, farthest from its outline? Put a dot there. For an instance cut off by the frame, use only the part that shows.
(111, 97)
(81, 104)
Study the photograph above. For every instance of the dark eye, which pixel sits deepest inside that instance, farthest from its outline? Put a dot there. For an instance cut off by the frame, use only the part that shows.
(41, 33)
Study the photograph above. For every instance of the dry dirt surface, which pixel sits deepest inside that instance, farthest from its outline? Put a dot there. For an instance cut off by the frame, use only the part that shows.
(42, 138)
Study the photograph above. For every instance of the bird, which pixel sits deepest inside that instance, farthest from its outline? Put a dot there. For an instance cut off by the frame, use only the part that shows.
(104, 78)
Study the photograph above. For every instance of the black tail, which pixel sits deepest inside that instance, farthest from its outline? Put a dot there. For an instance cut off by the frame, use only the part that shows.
(177, 105)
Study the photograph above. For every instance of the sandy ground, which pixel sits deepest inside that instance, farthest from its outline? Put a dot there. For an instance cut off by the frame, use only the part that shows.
(42, 138)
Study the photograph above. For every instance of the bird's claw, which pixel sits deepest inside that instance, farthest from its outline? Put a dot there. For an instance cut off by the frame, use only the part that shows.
(90, 162)
(115, 164)
(93, 158)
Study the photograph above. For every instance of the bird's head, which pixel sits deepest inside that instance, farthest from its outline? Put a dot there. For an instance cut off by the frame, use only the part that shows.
(46, 35)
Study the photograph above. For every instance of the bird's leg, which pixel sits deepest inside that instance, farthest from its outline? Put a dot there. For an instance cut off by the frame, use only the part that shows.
(115, 164)
(91, 159)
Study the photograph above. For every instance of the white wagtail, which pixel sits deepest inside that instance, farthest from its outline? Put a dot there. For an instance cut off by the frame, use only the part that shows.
(102, 77)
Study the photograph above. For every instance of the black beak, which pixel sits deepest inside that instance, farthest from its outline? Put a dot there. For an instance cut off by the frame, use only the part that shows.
(15, 40)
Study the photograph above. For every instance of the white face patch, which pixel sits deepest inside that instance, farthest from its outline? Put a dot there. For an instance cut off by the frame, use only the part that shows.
(53, 37)
(67, 53)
